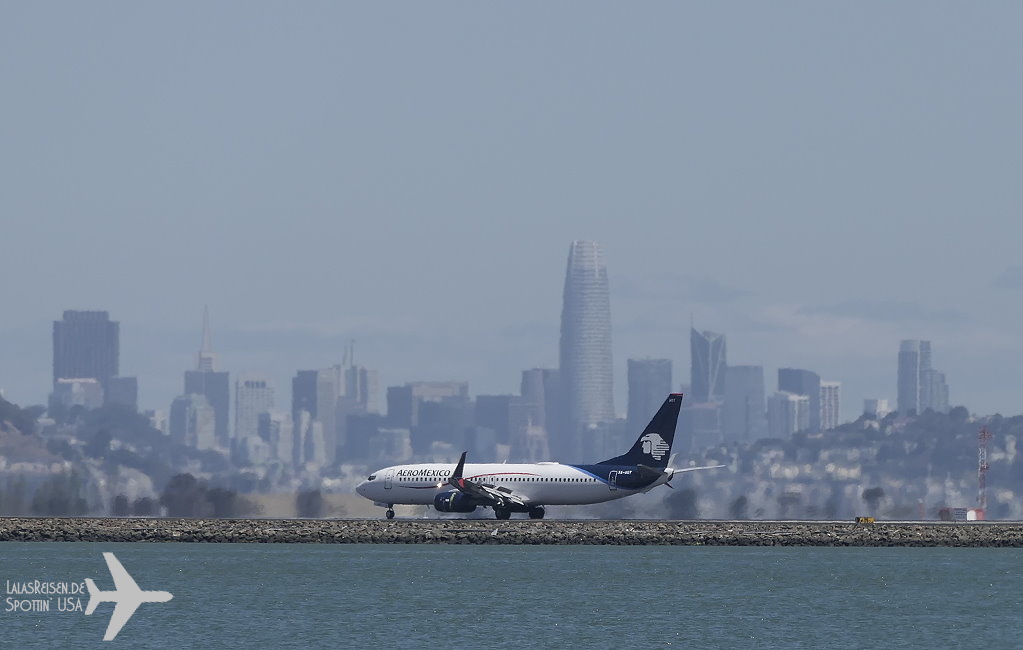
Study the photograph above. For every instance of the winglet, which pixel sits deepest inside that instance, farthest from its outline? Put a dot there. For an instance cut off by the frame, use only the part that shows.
(93, 596)
(457, 474)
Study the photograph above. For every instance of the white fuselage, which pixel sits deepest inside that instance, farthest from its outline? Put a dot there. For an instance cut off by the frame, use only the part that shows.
(537, 483)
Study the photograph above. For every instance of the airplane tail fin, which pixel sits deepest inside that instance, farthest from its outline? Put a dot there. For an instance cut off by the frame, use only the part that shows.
(653, 446)
(93, 596)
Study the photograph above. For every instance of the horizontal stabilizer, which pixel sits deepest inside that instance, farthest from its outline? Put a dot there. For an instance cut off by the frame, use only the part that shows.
(693, 469)
(93, 596)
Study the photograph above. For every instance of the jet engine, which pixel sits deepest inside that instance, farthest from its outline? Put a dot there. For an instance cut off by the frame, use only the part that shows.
(454, 501)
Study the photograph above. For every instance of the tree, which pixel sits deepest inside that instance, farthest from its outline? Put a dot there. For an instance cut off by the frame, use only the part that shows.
(144, 507)
(99, 446)
(120, 507)
(787, 500)
(872, 496)
(225, 502)
(738, 508)
(959, 414)
(682, 504)
(309, 504)
(24, 420)
(59, 495)
(184, 496)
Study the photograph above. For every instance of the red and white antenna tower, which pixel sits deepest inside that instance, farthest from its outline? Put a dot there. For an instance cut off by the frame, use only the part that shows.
(982, 467)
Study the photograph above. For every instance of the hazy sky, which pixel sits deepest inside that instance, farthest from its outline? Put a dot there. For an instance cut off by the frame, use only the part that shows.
(816, 180)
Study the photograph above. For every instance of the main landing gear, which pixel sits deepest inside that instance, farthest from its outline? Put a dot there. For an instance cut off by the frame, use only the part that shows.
(390, 511)
(536, 512)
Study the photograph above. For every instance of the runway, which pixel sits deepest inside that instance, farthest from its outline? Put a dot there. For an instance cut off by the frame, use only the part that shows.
(489, 531)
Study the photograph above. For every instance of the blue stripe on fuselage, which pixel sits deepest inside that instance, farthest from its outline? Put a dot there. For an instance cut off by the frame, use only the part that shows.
(629, 476)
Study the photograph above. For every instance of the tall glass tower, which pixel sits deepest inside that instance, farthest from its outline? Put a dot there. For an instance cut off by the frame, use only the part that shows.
(586, 368)
(708, 354)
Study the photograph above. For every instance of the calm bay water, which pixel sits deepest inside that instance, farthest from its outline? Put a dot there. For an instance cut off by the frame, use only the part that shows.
(512, 597)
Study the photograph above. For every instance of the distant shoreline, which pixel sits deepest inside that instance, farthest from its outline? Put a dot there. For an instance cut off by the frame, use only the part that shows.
(489, 531)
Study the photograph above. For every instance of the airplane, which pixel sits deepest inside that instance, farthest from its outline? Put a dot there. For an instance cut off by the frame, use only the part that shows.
(126, 595)
(529, 488)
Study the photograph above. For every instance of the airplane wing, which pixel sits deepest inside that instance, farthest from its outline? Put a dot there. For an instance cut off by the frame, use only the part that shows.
(486, 494)
(122, 612)
(122, 581)
(500, 495)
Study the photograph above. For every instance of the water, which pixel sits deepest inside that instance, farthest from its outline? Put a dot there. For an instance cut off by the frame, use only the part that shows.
(424, 597)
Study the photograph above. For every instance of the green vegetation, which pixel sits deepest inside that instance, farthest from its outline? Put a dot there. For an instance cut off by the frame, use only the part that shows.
(24, 420)
(187, 496)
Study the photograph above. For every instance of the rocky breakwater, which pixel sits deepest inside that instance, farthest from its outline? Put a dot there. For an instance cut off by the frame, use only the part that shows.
(482, 531)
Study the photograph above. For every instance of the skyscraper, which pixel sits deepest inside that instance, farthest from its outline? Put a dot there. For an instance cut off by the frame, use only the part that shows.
(708, 354)
(744, 403)
(909, 377)
(933, 391)
(534, 396)
(85, 346)
(585, 350)
(830, 403)
(787, 413)
(921, 387)
(303, 394)
(253, 395)
(193, 421)
(649, 384)
(214, 386)
(803, 382)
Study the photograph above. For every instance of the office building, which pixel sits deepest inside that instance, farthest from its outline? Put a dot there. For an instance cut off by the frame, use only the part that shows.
(649, 385)
(192, 422)
(876, 407)
(215, 386)
(404, 402)
(744, 404)
(909, 377)
(830, 404)
(86, 345)
(787, 413)
(253, 394)
(585, 348)
(920, 387)
(803, 382)
(700, 425)
(277, 431)
(303, 393)
(708, 355)
(86, 392)
(123, 391)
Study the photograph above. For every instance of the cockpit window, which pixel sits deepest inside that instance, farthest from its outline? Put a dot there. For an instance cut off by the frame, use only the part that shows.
(371, 477)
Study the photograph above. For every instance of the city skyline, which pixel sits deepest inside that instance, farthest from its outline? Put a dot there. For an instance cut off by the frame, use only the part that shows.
(802, 194)
(196, 381)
